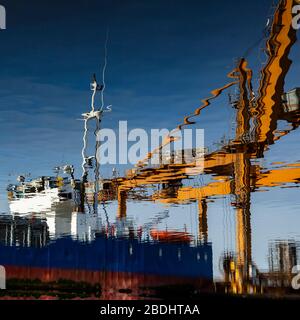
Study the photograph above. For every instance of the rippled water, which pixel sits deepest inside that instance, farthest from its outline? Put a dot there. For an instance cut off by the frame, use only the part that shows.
(232, 229)
(205, 232)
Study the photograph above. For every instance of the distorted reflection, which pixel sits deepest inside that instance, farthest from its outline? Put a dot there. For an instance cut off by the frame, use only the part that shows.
(148, 234)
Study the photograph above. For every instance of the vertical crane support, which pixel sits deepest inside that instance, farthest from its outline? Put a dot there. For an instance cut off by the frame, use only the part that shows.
(122, 204)
(242, 169)
(243, 115)
(203, 226)
(242, 166)
(281, 39)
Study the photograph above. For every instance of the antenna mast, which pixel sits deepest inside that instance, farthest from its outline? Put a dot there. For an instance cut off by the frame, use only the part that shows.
(90, 161)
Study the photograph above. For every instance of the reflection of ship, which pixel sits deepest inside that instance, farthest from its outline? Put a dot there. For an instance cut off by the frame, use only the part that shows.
(234, 171)
(111, 262)
(40, 194)
(18, 231)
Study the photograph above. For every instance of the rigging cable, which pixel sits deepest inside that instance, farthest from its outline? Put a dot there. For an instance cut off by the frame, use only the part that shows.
(104, 70)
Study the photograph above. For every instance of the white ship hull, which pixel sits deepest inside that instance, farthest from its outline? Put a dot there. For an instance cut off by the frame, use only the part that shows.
(35, 202)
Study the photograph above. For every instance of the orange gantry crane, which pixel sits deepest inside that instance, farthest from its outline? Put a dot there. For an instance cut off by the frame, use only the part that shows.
(235, 158)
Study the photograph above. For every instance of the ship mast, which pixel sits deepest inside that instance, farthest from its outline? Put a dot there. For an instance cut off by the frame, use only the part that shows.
(91, 161)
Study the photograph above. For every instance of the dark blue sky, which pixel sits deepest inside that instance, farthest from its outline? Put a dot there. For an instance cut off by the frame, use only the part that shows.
(164, 56)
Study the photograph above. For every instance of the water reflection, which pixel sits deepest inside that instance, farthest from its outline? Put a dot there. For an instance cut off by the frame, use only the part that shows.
(232, 166)
(109, 245)
(107, 263)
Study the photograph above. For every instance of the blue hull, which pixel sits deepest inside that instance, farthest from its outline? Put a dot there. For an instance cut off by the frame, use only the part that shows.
(115, 255)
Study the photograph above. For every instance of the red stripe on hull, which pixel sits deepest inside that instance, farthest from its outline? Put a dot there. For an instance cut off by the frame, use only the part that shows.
(110, 282)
